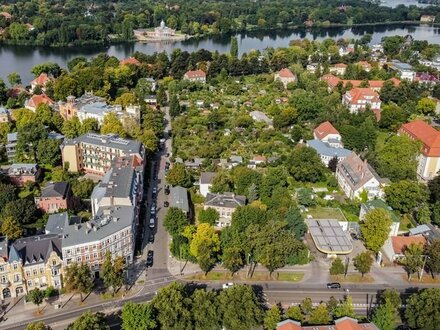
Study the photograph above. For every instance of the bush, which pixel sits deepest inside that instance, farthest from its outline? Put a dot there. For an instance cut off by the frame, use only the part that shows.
(50, 292)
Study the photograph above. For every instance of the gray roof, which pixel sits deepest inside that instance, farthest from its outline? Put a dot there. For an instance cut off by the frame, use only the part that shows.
(236, 159)
(179, 198)
(12, 137)
(323, 149)
(56, 189)
(260, 116)
(99, 108)
(55, 136)
(402, 66)
(3, 111)
(84, 99)
(109, 140)
(227, 199)
(207, 177)
(35, 249)
(56, 222)
(108, 221)
(421, 229)
(21, 168)
(329, 237)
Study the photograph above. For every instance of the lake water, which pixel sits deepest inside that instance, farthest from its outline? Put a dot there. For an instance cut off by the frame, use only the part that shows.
(22, 58)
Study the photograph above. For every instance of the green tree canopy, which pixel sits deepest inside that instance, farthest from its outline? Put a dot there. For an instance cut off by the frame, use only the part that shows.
(205, 310)
(337, 267)
(209, 216)
(205, 245)
(405, 195)
(363, 262)
(11, 228)
(422, 310)
(90, 321)
(375, 228)
(78, 279)
(83, 188)
(138, 316)
(385, 316)
(272, 317)
(179, 176)
(305, 165)
(175, 221)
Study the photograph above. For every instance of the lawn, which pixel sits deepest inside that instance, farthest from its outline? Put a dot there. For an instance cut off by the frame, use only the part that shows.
(405, 223)
(326, 213)
(242, 276)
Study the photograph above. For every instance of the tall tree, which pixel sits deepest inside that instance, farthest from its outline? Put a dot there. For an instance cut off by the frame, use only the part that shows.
(11, 228)
(209, 216)
(295, 222)
(345, 308)
(175, 220)
(413, 258)
(204, 246)
(272, 317)
(36, 296)
(433, 253)
(8, 193)
(405, 195)
(305, 165)
(78, 279)
(48, 152)
(233, 258)
(205, 310)
(112, 125)
(175, 108)
(37, 326)
(28, 137)
(90, 321)
(422, 310)
(179, 176)
(363, 262)
(138, 316)
(14, 79)
(320, 315)
(234, 47)
(337, 267)
(375, 228)
(385, 316)
(113, 271)
(23, 210)
(333, 163)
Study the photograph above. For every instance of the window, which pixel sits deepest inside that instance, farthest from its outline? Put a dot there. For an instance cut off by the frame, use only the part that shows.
(2, 268)
(15, 266)
(29, 283)
(17, 278)
(41, 270)
(35, 272)
(78, 259)
(28, 273)
(54, 262)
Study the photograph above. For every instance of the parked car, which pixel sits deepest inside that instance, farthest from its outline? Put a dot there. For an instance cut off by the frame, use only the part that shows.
(151, 238)
(167, 190)
(166, 204)
(150, 258)
(227, 285)
(333, 285)
(154, 190)
(152, 223)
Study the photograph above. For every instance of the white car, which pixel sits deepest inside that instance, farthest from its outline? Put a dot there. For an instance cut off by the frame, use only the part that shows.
(228, 285)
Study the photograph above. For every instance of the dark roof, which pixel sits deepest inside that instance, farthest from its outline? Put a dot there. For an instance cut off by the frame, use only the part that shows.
(207, 177)
(179, 198)
(35, 249)
(56, 222)
(56, 189)
(225, 200)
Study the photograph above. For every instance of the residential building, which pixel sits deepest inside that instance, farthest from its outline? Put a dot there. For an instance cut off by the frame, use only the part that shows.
(427, 78)
(195, 76)
(195, 164)
(376, 85)
(427, 19)
(312, 67)
(42, 80)
(429, 158)
(356, 176)
(179, 198)
(56, 222)
(429, 231)
(205, 182)
(11, 145)
(225, 204)
(130, 60)
(364, 65)
(256, 161)
(70, 108)
(20, 173)
(4, 115)
(94, 153)
(327, 133)
(338, 68)
(326, 151)
(261, 117)
(359, 99)
(98, 111)
(345, 50)
(151, 99)
(36, 100)
(55, 196)
(404, 70)
(380, 204)
(394, 247)
(343, 323)
(161, 32)
(285, 76)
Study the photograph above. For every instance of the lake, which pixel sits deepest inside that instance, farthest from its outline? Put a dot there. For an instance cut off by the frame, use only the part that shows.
(22, 58)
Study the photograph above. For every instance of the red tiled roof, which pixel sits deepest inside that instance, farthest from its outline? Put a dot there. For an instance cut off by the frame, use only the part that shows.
(36, 100)
(425, 133)
(325, 129)
(6, 15)
(361, 93)
(343, 323)
(130, 60)
(332, 81)
(41, 80)
(340, 65)
(289, 325)
(195, 74)
(260, 158)
(402, 242)
(286, 73)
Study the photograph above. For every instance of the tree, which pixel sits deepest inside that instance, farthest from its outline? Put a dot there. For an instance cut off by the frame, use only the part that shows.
(426, 106)
(90, 321)
(172, 305)
(392, 295)
(83, 188)
(363, 262)
(126, 99)
(48, 152)
(221, 183)
(113, 271)
(112, 125)
(233, 258)
(209, 216)
(234, 47)
(433, 253)
(405, 195)
(179, 176)
(240, 308)
(345, 308)
(375, 228)
(205, 310)
(294, 313)
(422, 310)
(175, 220)
(78, 279)
(89, 125)
(398, 158)
(71, 128)
(11, 228)
(423, 214)
(8, 193)
(28, 137)
(295, 222)
(14, 79)
(161, 96)
(138, 316)
(320, 315)
(48, 67)
(272, 317)
(332, 164)
(36, 296)
(23, 210)
(149, 139)
(413, 259)
(434, 188)
(37, 326)
(204, 246)
(175, 108)
(384, 316)
(337, 267)
(305, 165)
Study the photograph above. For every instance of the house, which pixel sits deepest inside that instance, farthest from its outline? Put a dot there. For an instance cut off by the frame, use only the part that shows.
(395, 246)
(338, 68)
(41, 81)
(225, 204)
(326, 151)
(36, 100)
(356, 176)
(429, 158)
(55, 196)
(427, 78)
(205, 182)
(4, 115)
(312, 67)
(195, 76)
(97, 111)
(404, 70)
(257, 160)
(261, 117)
(427, 19)
(94, 153)
(380, 204)
(151, 99)
(343, 323)
(234, 161)
(359, 99)
(345, 50)
(327, 133)
(19, 173)
(428, 231)
(285, 76)
(161, 32)
(56, 222)
(375, 85)
(195, 164)
(70, 108)
(364, 65)
(130, 60)
(377, 48)
(179, 198)
(11, 145)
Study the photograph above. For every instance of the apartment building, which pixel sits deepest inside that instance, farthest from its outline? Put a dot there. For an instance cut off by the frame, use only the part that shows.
(20, 173)
(55, 196)
(225, 204)
(359, 99)
(94, 153)
(70, 108)
(195, 76)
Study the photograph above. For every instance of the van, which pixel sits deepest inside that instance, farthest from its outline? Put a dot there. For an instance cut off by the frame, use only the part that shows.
(152, 223)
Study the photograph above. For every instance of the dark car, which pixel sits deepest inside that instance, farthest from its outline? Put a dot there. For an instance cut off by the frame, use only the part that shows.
(333, 285)
(166, 190)
(150, 258)
(151, 238)
(166, 204)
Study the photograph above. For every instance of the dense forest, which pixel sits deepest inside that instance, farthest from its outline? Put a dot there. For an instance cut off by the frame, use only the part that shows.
(81, 22)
